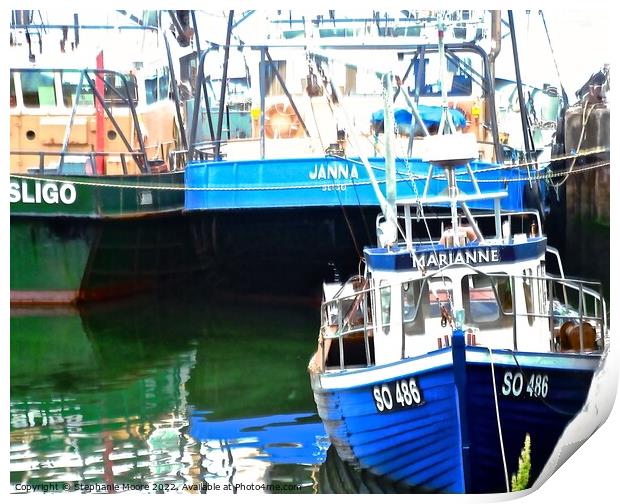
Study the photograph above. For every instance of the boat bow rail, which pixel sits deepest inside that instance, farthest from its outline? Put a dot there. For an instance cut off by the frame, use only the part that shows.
(410, 212)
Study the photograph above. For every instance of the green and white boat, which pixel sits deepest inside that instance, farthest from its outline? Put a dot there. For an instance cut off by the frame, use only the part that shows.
(96, 199)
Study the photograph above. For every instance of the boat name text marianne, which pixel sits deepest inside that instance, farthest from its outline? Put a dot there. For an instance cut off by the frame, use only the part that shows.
(333, 171)
(48, 192)
(445, 258)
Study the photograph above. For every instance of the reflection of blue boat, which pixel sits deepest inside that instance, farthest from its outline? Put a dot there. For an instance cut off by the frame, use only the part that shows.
(328, 182)
(451, 359)
(279, 439)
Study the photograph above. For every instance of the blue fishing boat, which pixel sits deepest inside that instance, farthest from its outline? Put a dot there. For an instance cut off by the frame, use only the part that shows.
(302, 180)
(456, 360)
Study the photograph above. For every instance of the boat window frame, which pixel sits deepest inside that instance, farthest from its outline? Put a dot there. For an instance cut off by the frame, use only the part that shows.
(163, 75)
(111, 99)
(417, 322)
(474, 89)
(505, 310)
(446, 284)
(151, 89)
(12, 90)
(385, 317)
(38, 106)
(85, 87)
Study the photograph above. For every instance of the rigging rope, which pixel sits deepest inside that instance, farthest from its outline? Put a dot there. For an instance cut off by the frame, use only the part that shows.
(499, 423)
(180, 187)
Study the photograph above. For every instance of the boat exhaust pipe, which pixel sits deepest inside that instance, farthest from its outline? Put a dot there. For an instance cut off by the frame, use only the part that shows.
(496, 39)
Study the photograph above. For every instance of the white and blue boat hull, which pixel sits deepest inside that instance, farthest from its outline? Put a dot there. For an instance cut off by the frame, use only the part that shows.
(468, 430)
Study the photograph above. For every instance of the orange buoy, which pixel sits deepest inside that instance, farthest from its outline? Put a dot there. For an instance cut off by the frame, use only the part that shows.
(281, 121)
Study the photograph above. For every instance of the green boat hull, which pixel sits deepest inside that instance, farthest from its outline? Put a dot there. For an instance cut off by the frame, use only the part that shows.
(112, 236)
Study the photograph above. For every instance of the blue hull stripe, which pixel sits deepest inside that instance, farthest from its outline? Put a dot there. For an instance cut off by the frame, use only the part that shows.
(311, 182)
(380, 259)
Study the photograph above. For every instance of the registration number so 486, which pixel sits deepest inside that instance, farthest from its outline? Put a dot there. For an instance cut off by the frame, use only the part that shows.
(523, 386)
(396, 395)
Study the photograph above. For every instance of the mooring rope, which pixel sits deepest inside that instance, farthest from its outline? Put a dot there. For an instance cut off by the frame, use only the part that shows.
(499, 423)
(403, 177)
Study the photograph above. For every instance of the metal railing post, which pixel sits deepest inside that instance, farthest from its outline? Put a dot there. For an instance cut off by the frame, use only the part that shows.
(124, 163)
(339, 334)
(514, 313)
(366, 343)
(551, 318)
(580, 317)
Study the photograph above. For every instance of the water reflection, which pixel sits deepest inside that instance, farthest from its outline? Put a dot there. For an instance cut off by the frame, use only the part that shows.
(167, 392)
(336, 476)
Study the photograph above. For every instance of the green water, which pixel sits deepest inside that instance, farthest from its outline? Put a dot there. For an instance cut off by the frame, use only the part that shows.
(167, 393)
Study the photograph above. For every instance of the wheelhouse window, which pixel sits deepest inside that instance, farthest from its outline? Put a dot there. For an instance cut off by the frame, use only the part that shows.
(70, 81)
(457, 76)
(150, 87)
(385, 297)
(157, 87)
(13, 101)
(415, 301)
(38, 89)
(487, 299)
(164, 83)
(440, 297)
(117, 93)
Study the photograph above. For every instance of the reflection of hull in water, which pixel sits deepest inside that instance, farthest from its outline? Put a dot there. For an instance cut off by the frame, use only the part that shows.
(338, 477)
(118, 380)
(104, 389)
(253, 360)
(297, 438)
(116, 350)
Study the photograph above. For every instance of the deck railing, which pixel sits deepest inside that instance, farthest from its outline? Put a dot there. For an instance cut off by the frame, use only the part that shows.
(408, 216)
(348, 318)
(78, 163)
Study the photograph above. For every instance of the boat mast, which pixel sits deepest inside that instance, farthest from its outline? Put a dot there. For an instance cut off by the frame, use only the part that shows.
(390, 162)
(446, 117)
(528, 142)
(446, 120)
(388, 212)
(220, 119)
